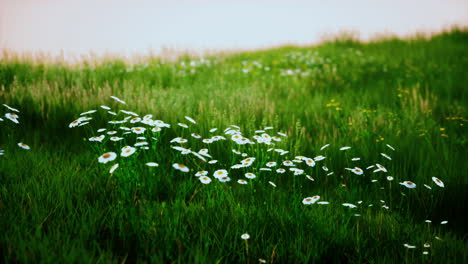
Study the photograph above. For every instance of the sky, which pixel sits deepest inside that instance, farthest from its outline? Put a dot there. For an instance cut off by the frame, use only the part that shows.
(140, 26)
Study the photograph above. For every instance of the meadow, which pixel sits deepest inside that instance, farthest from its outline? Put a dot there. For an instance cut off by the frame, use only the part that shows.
(277, 167)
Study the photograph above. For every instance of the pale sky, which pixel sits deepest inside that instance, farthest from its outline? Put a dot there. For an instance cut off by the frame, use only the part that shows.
(136, 26)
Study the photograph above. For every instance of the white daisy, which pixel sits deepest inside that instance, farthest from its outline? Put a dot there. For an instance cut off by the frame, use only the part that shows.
(271, 164)
(324, 147)
(14, 118)
(182, 125)
(207, 140)
(390, 147)
(386, 156)
(272, 183)
(245, 236)
(201, 173)
(212, 161)
(116, 138)
(280, 170)
(135, 120)
(311, 200)
(444, 222)
(190, 119)
(349, 205)
(220, 173)
(205, 180)
(344, 148)
(195, 135)
(118, 99)
(180, 167)
(282, 134)
(224, 179)
(127, 151)
(152, 164)
(213, 130)
(310, 162)
(11, 108)
(323, 202)
(310, 177)
(389, 178)
(242, 181)
(138, 130)
(105, 107)
(113, 168)
(438, 182)
(319, 158)
(23, 146)
(408, 184)
(428, 187)
(156, 129)
(106, 157)
(288, 163)
(355, 159)
(250, 175)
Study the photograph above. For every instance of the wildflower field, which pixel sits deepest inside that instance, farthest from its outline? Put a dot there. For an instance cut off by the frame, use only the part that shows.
(344, 152)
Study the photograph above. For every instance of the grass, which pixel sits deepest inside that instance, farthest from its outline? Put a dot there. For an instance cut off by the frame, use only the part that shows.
(59, 205)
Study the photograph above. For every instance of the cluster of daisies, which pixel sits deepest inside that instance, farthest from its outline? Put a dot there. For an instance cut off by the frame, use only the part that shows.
(13, 117)
(146, 130)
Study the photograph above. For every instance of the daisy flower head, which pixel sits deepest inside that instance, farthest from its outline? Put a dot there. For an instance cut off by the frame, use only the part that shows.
(212, 161)
(207, 140)
(23, 146)
(324, 147)
(271, 164)
(428, 187)
(390, 147)
(438, 182)
(242, 181)
(106, 157)
(349, 205)
(195, 135)
(272, 184)
(319, 158)
(180, 167)
(127, 151)
(288, 163)
(408, 184)
(190, 119)
(118, 99)
(250, 175)
(113, 168)
(409, 246)
(213, 130)
(385, 156)
(389, 178)
(201, 173)
(345, 148)
(245, 236)
(11, 108)
(224, 179)
(152, 164)
(310, 162)
(357, 171)
(311, 200)
(280, 170)
(220, 173)
(355, 159)
(205, 180)
(135, 120)
(138, 130)
(14, 117)
(105, 107)
(310, 177)
(182, 125)
(282, 134)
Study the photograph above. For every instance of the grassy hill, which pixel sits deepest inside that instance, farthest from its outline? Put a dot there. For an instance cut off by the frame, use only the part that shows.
(405, 98)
